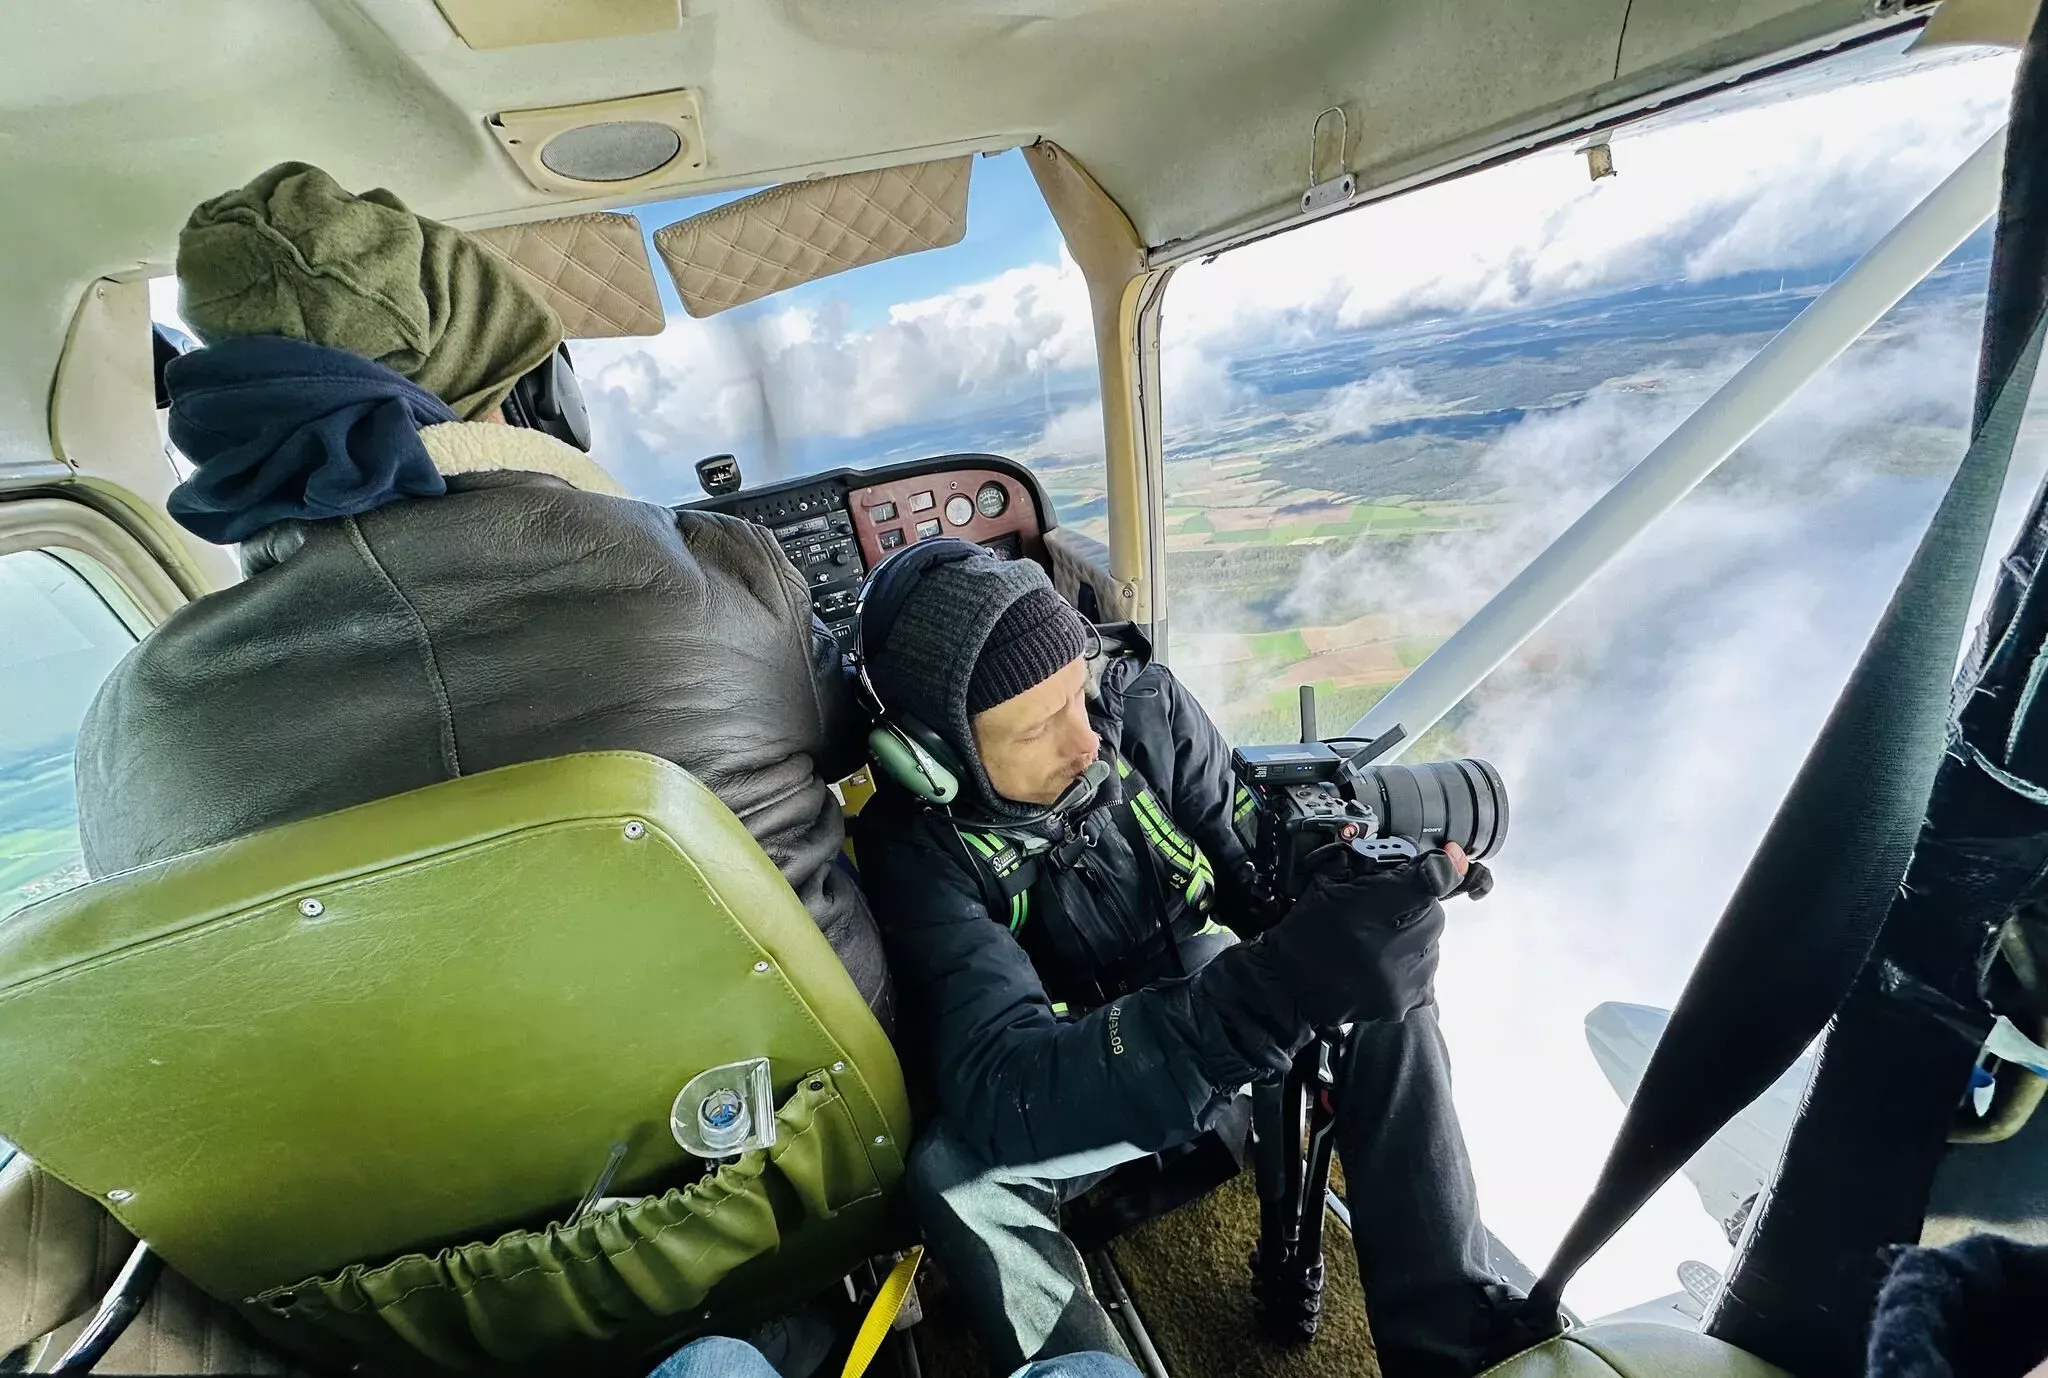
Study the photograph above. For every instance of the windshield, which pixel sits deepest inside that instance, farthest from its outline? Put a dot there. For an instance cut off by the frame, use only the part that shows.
(986, 345)
(1374, 422)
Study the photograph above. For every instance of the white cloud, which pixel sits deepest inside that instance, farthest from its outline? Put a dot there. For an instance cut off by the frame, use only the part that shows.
(1075, 431)
(1777, 188)
(163, 303)
(1195, 387)
(1387, 395)
(700, 386)
(1801, 182)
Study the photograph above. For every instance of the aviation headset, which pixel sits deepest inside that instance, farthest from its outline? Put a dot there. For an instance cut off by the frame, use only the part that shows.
(550, 400)
(902, 748)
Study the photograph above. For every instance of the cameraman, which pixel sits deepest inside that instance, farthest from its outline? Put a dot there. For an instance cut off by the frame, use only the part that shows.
(1072, 995)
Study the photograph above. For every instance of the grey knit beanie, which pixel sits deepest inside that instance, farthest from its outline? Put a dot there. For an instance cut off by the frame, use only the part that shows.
(972, 633)
(1036, 637)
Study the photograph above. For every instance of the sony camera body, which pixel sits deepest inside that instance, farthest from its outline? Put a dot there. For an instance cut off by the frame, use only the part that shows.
(1312, 799)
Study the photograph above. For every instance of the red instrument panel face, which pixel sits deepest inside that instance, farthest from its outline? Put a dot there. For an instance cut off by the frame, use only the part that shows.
(978, 505)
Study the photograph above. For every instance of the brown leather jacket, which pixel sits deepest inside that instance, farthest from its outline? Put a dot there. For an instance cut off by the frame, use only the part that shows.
(514, 618)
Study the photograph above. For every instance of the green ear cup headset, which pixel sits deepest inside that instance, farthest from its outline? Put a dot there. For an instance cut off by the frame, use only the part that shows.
(904, 749)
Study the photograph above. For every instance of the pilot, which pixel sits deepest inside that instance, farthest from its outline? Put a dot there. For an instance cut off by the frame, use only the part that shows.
(1093, 1007)
(430, 591)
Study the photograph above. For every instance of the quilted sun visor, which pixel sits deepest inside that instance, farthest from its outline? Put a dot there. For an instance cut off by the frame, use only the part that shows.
(798, 233)
(591, 269)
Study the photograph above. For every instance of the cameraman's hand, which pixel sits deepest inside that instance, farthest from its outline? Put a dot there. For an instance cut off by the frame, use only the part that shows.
(1451, 872)
(1361, 942)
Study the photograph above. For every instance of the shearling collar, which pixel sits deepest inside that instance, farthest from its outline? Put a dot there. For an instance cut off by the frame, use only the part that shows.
(479, 447)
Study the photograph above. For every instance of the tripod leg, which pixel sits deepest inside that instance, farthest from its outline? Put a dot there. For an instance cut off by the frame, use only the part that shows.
(1322, 1143)
(1287, 1279)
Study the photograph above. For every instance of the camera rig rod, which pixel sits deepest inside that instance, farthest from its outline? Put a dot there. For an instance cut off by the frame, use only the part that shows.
(1835, 319)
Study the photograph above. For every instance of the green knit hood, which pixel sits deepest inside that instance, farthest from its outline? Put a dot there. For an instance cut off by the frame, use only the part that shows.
(294, 254)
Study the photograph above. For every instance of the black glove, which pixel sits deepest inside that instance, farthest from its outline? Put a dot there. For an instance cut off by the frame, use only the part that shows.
(1361, 942)
(1441, 876)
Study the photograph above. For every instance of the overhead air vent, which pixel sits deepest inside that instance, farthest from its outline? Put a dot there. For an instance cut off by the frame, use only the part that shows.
(606, 146)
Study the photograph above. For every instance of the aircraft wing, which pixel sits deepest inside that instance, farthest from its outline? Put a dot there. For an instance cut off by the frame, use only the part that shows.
(1736, 1164)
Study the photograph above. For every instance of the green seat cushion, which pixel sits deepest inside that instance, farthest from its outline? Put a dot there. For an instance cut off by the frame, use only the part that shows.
(419, 1022)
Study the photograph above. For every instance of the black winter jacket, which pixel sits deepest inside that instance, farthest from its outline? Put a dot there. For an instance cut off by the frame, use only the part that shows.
(513, 619)
(1083, 1029)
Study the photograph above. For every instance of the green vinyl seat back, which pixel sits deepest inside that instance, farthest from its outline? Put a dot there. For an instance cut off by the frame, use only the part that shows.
(354, 1073)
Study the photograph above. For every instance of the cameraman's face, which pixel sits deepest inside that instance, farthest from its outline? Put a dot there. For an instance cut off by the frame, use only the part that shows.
(1034, 745)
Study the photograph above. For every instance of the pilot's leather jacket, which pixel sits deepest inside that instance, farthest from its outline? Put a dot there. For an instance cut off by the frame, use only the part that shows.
(512, 619)
(1067, 1025)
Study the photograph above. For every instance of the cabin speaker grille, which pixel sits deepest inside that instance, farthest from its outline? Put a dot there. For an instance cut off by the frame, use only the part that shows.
(615, 151)
(607, 146)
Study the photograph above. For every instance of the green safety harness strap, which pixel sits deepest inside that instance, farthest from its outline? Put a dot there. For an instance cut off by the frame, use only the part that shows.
(1244, 816)
(1014, 872)
(1190, 869)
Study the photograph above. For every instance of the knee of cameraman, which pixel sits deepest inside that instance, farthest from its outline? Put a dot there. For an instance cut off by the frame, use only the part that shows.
(1055, 860)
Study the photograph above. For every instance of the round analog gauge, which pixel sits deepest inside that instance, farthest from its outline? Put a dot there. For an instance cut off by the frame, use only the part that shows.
(993, 499)
(959, 511)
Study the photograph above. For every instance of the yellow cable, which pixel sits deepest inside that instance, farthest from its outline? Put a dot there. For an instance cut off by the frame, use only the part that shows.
(882, 1314)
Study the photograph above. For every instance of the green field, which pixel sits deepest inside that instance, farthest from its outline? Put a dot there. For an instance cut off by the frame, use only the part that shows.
(1283, 647)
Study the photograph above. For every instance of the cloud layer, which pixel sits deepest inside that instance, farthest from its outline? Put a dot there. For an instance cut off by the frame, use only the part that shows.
(1803, 182)
(1649, 731)
(751, 380)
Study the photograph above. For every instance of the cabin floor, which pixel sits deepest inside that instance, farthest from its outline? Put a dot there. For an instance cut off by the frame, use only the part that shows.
(1188, 1277)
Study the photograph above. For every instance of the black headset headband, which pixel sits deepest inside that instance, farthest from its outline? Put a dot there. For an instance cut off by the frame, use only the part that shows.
(550, 400)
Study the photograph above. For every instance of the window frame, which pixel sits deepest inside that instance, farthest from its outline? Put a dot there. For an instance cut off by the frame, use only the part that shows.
(120, 568)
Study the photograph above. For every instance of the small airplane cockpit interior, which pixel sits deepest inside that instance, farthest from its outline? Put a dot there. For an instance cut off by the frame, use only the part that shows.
(703, 689)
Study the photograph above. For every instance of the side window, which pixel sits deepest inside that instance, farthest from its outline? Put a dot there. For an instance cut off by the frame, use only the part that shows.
(58, 640)
(986, 345)
(1374, 422)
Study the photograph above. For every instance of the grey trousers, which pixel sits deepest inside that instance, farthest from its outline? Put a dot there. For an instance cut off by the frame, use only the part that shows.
(1421, 1249)
(996, 1233)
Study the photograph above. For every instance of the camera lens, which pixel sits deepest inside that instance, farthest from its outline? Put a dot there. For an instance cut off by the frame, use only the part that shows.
(1460, 801)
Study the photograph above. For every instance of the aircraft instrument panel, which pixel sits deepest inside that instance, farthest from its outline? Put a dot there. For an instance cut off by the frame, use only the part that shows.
(837, 526)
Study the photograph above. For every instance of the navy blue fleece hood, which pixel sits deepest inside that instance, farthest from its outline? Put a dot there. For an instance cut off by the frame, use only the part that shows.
(281, 429)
